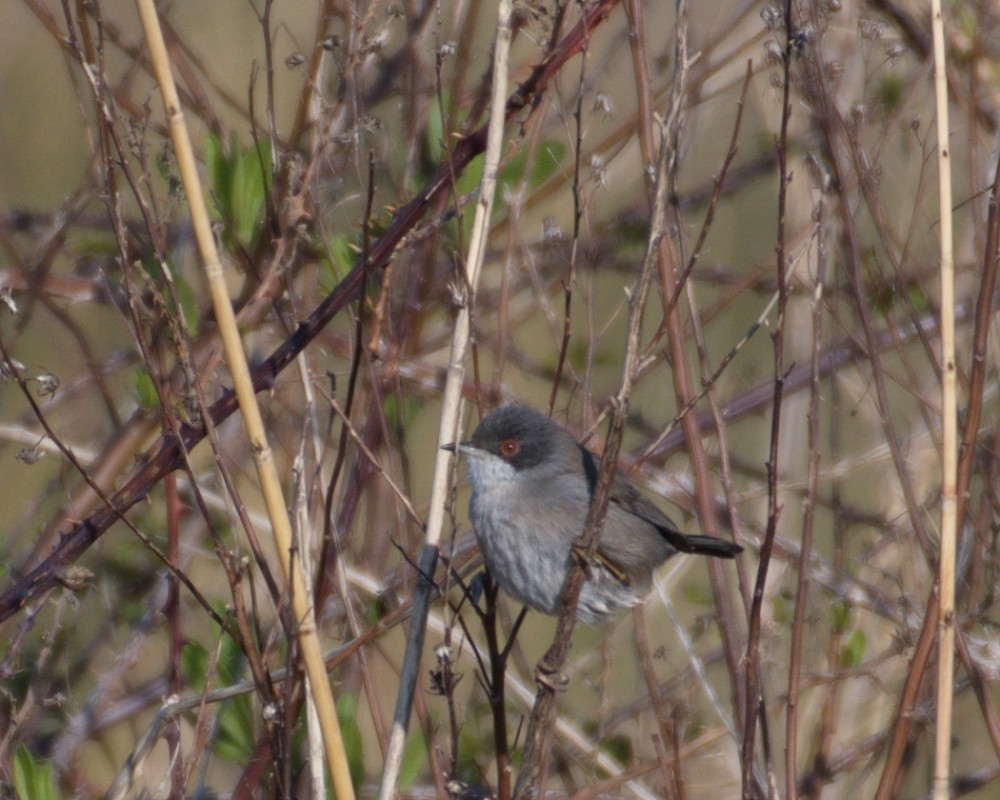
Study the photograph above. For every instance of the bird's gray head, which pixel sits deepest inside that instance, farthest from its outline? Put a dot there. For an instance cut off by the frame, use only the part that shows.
(521, 436)
(514, 441)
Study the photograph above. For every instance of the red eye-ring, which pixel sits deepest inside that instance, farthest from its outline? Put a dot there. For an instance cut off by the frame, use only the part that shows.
(510, 448)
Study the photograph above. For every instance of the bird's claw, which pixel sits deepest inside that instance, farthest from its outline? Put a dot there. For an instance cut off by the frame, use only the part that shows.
(586, 559)
(593, 563)
(551, 679)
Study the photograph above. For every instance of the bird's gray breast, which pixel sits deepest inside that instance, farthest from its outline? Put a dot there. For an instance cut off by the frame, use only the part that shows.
(524, 545)
(526, 525)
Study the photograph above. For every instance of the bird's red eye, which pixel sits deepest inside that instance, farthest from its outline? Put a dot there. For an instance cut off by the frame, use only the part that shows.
(510, 448)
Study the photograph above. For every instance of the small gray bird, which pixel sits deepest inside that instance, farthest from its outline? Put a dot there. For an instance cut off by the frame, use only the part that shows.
(532, 485)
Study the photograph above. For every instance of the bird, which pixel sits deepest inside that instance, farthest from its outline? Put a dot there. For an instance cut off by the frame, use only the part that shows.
(532, 487)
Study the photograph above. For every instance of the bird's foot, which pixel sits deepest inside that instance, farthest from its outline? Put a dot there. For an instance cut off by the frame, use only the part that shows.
(596, 562)
(588, 560)
(549, 678)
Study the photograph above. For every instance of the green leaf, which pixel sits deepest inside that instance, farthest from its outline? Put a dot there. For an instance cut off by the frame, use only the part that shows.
(194, 664)
(918, 297)
(471, 177)
(891, 91)
(235, 738)
(238, 181)
(620, 748)
(217, 172)
(187, 300)
(375, 609)
(853, 651)
(33, 780)
(145, 389)
(230, 660)
(435, 131)
(544, 165)
(347, 713)
(781, 608)
(400, 411)
(341, 256)
(547, 163)
(842, 613)
(414, 760)
(249, 191)
(235, 735)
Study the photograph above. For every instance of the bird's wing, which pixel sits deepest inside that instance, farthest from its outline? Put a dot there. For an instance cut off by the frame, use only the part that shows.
(631, 500)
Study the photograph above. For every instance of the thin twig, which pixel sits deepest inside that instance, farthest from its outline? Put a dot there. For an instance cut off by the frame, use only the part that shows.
(754, 698)
(808, 513)
(569, 282)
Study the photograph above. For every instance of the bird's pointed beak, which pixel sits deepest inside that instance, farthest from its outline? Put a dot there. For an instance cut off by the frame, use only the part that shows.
(457, 447)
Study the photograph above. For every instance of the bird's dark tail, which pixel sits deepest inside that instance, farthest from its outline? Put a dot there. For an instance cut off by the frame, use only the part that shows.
(704, 545)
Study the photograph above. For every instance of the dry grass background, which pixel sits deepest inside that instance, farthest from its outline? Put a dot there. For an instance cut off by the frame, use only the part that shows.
(318, 124)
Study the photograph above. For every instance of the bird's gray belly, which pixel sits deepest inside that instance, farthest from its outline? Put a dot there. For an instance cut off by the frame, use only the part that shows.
(533, 571)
